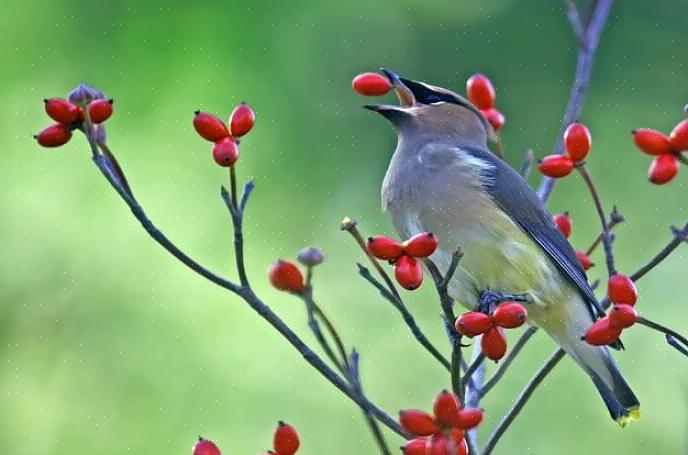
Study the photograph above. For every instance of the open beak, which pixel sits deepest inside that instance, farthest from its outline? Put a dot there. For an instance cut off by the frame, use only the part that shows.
(404, 94)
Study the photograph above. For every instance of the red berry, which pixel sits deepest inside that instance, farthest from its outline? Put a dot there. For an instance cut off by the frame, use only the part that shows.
(651, 141)
(470, 418)
(408, 272)
(205, 447)
(371, 84)
(510, 315)
(421, 245)
(383, 247)
(556, 166)
(577, 140)
(417, 422)
(54, 135)
(622, 316)
(584, 259)
(473, 323)
(62, 110)
(100, 110)
(493, 343)
(286, 439)
(601, 333)
(285, 276)
(663, 169)
(621, 289)
(494, 117)
(446, 409)
(564, 222)
(417, 446)
(461, 447)
(439, 445)
(678, 139)
(480, 91)
(209, 126)
(226, 152)
(241, 120)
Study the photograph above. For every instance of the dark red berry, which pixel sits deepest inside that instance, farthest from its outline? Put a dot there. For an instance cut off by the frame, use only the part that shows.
(564, 222)
(241, 120)
(205, 447)
(285, 276)
(209, 127)
(421, 245)
(577, 140)
(622, 316)
(584, 260)
(226, 152)
(100, 110)
(663, 169)
(678, 139)
(494, 118)
(510, 315)
(54, 135)
(371, 84)
(556, 166)
(446, 409)
(416, 446)
(62, 110)
(286, 439)
(493, 343)
(621, 289)
(473, 323)
(383, 247)
(651, 141)
(470, 418)
(408, 272)
(602, 332)
(417, 422)
(480, 91)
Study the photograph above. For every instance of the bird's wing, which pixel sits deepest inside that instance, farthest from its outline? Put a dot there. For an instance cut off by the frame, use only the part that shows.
(517, 199)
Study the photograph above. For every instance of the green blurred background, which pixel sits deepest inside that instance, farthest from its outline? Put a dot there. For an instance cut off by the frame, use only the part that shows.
(110, 346)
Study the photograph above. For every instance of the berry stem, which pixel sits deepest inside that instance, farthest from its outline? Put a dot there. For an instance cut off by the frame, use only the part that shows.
(233, 186)
(615, 219)
(674, 338)
(682, 158)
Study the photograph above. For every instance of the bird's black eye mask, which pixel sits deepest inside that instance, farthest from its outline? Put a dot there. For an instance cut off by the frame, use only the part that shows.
(426, 95)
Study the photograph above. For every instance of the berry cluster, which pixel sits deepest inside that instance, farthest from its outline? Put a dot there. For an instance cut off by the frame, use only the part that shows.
(577, 141)
(481, 92)
(371, 84)
(666, 150)
(69, 115)
(508, 315)
(286, 276)
(623, 294)
(443, 432)
(225, 137)
(404, 256)
(565, 224)
(285, 441)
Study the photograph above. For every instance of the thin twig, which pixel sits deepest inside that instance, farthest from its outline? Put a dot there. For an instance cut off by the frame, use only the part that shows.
(307, 296)
(237, 215)
(475, 364)
(673, 337)
(575, 20)
(504, 364)
(615, 218)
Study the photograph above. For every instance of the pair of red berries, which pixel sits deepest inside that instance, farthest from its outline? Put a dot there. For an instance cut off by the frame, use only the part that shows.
(623, 294)
(665, 149)
(69, 116)
(211, 128)
(285, 441)
(577, 142)
(508, 315)
(436, 433)
(407, 269)
(565, 224)
(481, 92)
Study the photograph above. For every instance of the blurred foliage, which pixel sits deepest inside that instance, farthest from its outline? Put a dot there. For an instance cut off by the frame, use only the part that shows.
(109, 346)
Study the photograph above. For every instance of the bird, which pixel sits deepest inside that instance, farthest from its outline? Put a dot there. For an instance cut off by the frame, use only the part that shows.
(443, 178)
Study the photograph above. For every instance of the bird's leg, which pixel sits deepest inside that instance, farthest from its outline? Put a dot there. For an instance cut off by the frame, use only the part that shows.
(490, 299)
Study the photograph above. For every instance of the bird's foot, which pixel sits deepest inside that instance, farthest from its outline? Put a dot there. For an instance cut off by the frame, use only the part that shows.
(490, 299)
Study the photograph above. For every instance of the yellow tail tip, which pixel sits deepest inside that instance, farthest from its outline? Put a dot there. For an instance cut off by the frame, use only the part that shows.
(633, 414)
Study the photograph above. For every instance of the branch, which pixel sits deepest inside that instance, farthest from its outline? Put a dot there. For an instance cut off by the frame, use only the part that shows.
(576, 23)
(615, 218)
(504, 365)
(586, 55)
(674, 338)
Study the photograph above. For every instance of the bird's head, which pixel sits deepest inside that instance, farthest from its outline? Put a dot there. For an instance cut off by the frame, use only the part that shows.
(433, 112)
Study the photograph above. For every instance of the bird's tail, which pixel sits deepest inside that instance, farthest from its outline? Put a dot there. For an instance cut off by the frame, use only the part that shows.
(621, 402)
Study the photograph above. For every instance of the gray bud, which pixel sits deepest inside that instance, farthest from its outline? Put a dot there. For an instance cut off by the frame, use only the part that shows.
(84, 94)
(310, 256)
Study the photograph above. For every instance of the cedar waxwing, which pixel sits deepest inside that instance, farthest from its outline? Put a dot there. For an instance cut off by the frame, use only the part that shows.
(443, 179)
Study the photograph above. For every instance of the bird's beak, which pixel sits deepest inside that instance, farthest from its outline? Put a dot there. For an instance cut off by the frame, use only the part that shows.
(405, 95)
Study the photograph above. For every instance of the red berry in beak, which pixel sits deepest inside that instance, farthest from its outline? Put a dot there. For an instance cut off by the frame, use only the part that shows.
(286, 439)
(446, 409)
(494, 118)
(480, 91)
(54, 135)
(371, 84)
(420, 245)
(493, 343)
(602, 332)
(651, 141)
(556, 166)
(470, 418)
(564, 222)
(205, 447)
(663, 169)
(577, 140)
(408, 272)
(473, 323)
(209, 127)
(241, 120)
(678, 139)
(62, 110)
(100, 110)
(383, 247)
(622, 316)
(510, 315)
(621, 289)
(584, 259)
(285, 276)
(226, 152)
(417, 422)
